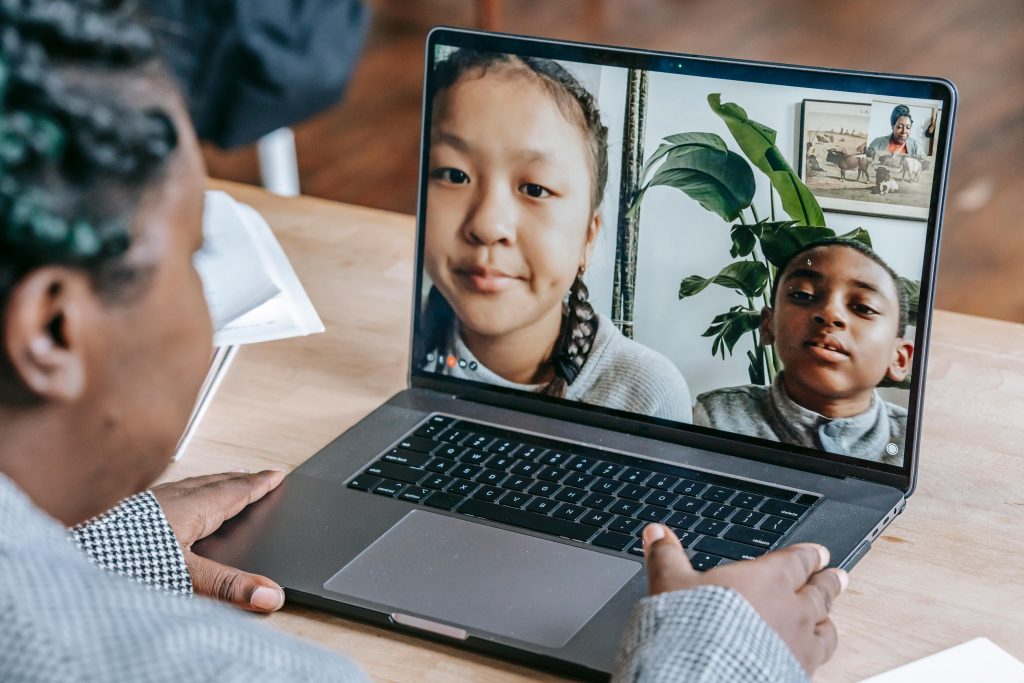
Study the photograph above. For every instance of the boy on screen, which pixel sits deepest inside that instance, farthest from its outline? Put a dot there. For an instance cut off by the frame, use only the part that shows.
(837, 320)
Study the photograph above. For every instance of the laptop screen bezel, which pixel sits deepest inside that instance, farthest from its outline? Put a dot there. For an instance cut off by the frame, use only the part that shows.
(902, 477)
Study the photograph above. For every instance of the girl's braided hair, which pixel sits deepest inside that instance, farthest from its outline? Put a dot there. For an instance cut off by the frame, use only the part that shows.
(75, 157)
(579, 324)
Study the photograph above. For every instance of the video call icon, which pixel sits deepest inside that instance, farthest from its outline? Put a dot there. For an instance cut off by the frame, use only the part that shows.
(891, 448)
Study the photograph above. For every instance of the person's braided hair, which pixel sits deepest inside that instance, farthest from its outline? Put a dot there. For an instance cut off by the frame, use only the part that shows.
(579, 325)
(75, 157)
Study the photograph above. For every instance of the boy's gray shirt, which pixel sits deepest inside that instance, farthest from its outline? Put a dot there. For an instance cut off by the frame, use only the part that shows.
(769, 413)
(65, 619)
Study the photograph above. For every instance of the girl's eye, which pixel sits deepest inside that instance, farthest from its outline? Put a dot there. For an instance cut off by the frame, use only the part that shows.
(451, 175)
(534, 190)
(801, 296)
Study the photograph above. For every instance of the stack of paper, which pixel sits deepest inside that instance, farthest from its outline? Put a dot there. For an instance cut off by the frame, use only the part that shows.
(979, 660)
(251, 289)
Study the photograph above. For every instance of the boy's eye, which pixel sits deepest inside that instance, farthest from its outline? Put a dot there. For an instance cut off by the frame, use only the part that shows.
(863, 309)
(534, 190)
(451, 175)
(801, 296)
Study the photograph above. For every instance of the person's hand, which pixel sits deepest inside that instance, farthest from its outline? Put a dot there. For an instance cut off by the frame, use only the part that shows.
(789, 588)
(195, 508)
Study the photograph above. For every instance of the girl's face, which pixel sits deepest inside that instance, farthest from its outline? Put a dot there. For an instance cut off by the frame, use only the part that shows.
(509, 215)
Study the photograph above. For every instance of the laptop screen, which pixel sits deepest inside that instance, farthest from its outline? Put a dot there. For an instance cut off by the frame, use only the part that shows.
(728, 248)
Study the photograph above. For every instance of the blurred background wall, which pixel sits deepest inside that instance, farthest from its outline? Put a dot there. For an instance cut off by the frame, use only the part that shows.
(365, 149)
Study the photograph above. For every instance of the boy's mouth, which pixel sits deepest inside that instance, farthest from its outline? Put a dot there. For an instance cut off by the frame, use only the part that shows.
(827, 348)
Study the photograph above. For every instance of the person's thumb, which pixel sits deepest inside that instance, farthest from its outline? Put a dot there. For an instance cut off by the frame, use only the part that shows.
(248, 591)
(668, 567)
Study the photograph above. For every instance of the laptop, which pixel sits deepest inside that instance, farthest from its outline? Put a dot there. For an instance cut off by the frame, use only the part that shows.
(649, 287)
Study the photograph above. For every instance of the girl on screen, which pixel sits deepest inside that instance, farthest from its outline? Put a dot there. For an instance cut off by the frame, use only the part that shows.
(517, 170)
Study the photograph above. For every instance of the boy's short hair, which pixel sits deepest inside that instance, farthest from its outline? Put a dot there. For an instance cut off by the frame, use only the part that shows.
(902, 299)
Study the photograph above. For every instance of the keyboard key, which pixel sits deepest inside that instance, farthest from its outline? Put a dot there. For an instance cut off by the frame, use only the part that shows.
(529, 452)
(541, 505)
(652, 513)
(543, 488)
(553, 458)
(437, 481)
(704, 561)
(681, 520)
(634, 492)
(580, 463)
(662, 498)
(499, 462)
(388, 488)
(607, 469)
(454, 436)
(718, 494)
(526, 468)
(567, 511)
(689, 488)
(514, 499)
(488, 493)
(516, 483)
(625, 507)
(502, 447)
(462, 487)
(781, 509)
(390, 470)
(807, 499)
(578, 480)
(364, 482)
(606, 486)
(439, 466)
(552, 474)
(489, 477)
(417, 443)
(777, 525)
(478, 441)
(755, 537)
(634, 476)
(444, 501)
(407, 458)
(747, 500)
(571, 495)
(528, 520)
(664, 482)
(624, 525)
(610, 539)
(637, 548)
(596, 517)
(711, 527)
(428, 430)
(441, 421)
(414, 494)
(721, 512)
(598, 501)
(748, 518)
(686, 538)
(691, 505)
(467, 471)
(450, 452)
(730, 549)
(471, 457)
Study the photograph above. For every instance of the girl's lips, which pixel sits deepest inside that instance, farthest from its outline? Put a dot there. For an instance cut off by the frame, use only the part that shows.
(487, 281)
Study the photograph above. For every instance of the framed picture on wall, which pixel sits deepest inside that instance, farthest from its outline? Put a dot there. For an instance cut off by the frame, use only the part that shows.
(873, 158)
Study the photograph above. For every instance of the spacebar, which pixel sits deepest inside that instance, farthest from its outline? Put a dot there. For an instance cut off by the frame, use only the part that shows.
(527, 520)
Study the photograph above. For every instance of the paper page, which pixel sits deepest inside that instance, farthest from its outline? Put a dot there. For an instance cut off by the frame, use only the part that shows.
(222, 358)
(979, 661)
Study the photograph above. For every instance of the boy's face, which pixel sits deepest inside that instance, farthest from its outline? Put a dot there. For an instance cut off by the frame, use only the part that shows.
(509, 216)
(834, 326)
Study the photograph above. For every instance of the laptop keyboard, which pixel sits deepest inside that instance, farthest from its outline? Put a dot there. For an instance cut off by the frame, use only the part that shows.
(585, 494)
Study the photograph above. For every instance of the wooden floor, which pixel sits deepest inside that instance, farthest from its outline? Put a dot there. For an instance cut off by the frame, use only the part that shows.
(365, 150)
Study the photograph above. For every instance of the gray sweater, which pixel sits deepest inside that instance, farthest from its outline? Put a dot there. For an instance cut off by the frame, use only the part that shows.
(619, 373)
(769, 413)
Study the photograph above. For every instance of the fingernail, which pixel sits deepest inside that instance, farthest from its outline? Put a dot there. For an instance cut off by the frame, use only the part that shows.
(825, 556)
(844, 579)
(266, 598)
(653, 533)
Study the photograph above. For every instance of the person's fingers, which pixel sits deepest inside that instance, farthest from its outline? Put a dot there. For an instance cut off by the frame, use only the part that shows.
(248, 591)
(797, 563)
(821, 591)
(190, 485)
(223, 499)
(668, 567)
(828, 640)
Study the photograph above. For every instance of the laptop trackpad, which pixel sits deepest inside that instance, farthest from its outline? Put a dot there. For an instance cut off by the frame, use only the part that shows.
(484, 579)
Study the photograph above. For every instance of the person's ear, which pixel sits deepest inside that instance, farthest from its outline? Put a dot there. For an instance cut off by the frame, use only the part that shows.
(767, 317)
(44, 329)
(593, 230)
(902, 358)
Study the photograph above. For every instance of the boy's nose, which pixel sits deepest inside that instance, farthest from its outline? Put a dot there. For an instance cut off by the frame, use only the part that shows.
(830, 318)
(492, 219)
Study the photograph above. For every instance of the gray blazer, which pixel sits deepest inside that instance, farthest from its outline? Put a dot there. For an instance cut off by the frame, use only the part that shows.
(66, 620)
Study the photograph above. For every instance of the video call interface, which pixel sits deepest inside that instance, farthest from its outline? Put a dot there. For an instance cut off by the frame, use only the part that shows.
(741, 256)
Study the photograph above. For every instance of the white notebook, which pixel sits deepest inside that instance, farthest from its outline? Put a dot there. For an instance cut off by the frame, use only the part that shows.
(978, 661)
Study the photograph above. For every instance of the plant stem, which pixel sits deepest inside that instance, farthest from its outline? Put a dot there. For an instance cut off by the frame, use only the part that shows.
(754, 211)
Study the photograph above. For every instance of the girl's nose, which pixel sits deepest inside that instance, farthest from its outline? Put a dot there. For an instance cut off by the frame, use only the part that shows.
(491, 219)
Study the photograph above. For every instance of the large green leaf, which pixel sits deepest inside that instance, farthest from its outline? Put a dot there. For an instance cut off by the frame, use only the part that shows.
(744, 238)
(781, 239)
(758, 143)
(747, 277)
(857, 235)
(683, 143)
(720, 181)
(727, 328)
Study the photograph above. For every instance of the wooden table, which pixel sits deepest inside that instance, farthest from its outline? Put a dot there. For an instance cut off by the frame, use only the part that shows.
(951, 568)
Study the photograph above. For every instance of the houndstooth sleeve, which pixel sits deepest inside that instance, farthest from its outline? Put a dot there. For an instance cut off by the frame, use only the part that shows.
(135, 540)
(702, 635)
